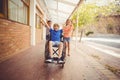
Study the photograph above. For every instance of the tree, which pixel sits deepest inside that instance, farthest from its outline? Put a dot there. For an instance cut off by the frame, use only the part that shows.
(88, 12)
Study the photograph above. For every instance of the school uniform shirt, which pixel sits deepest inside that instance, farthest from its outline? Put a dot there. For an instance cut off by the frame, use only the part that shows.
(55, 35)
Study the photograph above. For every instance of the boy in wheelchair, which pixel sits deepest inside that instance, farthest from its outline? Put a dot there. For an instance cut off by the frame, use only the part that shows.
(55, 41)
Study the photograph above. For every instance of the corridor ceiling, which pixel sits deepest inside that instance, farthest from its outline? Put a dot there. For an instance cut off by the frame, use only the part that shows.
(60, 10)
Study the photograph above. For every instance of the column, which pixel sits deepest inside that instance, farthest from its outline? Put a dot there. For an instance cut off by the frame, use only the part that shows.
(32, 20)
(77, 30)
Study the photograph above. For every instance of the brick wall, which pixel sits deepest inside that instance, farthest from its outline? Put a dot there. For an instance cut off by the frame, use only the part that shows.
(14, 37)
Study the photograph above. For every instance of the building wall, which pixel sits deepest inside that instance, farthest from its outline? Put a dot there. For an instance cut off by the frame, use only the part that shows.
(38, 35)
(14, 37)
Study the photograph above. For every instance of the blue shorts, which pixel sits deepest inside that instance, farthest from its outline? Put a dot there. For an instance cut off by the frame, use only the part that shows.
(55, 43)
(66, 39)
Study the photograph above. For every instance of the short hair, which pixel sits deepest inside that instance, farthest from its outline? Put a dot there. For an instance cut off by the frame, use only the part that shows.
(56, 25)
(49, 21)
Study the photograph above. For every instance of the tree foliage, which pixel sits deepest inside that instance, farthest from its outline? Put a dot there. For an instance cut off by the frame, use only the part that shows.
(87, 13)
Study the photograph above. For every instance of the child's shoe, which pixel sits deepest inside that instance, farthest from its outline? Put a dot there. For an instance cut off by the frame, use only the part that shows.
(60, 61)
(50, 60)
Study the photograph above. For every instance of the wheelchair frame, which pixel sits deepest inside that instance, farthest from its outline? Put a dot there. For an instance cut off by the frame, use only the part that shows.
(63, 57)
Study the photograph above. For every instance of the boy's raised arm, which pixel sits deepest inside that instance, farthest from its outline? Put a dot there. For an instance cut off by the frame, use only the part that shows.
(46, 25)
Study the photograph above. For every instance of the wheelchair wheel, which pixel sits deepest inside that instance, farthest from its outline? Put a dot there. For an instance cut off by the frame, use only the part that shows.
(62, 65)
(63, 55)
(46, 53)
(64, 52)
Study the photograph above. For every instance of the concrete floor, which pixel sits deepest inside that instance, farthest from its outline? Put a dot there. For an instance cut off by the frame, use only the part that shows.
(29, 65)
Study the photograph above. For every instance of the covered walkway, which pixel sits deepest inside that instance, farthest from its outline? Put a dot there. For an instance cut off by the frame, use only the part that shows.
(29, 65)
(22, 42)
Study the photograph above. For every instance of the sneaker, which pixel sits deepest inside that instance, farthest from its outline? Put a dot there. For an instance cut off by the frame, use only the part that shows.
(60, 61)
(49, 60)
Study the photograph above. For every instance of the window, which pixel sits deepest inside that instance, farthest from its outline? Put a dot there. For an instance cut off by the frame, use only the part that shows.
(18, 11)
(3, 8)
(38, 22)
(27, 2)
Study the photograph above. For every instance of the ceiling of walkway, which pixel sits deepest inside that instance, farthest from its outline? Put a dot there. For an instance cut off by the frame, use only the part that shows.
(60, 10)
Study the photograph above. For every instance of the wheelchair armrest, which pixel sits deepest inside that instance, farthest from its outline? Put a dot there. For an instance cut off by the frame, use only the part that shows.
(61, 38)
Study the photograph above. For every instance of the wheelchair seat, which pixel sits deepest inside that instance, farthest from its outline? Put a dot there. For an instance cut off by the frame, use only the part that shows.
(55, 51)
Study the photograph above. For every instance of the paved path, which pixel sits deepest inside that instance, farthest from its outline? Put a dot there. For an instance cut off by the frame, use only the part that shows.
(29, 65)
(109, 40)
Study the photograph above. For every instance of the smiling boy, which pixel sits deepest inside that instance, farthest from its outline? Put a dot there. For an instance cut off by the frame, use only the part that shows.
(55, 40)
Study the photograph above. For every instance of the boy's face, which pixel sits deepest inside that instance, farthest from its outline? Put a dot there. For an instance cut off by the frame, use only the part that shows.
(56, 28)
(49, 23)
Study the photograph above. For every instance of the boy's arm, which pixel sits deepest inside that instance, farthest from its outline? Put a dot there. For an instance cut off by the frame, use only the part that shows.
(47, 26)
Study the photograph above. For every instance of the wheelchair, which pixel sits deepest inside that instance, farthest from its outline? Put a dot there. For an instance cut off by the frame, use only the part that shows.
(55, 53)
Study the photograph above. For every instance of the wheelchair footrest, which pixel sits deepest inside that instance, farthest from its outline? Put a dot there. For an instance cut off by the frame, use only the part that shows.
(55, 58)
